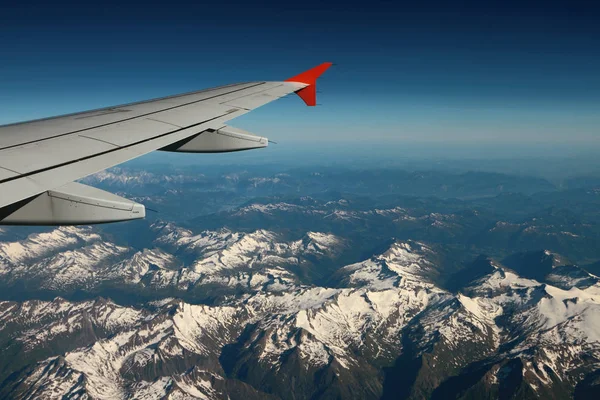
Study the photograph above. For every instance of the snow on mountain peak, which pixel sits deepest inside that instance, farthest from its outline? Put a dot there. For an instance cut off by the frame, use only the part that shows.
(132, 269)
(402, 262)
(39, 244)
(223, 250)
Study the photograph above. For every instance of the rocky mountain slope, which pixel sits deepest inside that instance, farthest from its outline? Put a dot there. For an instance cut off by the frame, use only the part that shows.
(385, 329)
(309, 285)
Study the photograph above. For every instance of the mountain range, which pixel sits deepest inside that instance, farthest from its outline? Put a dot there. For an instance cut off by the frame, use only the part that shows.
(310, 294)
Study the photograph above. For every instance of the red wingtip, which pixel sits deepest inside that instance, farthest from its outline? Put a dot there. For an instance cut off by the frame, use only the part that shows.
(309, 93)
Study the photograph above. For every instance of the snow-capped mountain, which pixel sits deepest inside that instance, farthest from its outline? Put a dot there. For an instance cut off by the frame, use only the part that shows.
(252, 289)
(122, 177)
(76, 259)
(385, 330)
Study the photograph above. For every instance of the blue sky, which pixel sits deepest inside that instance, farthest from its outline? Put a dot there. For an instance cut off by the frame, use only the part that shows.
(465, 73)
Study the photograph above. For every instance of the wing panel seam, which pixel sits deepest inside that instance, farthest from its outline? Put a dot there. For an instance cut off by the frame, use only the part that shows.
(126, 119)
(98, 140)
(135, 103)
(252, 94)
(164, 122)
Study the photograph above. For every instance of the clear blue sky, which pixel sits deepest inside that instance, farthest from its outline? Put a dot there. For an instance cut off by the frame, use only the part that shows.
(438, 72)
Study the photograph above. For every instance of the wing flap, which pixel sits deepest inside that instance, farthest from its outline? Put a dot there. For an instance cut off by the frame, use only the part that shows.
(222, 140)
(74, 204)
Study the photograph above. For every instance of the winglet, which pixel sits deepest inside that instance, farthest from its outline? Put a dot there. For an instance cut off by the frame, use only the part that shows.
(309, 93)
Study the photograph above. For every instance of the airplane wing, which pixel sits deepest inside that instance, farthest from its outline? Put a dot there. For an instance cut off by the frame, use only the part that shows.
(39, 160)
